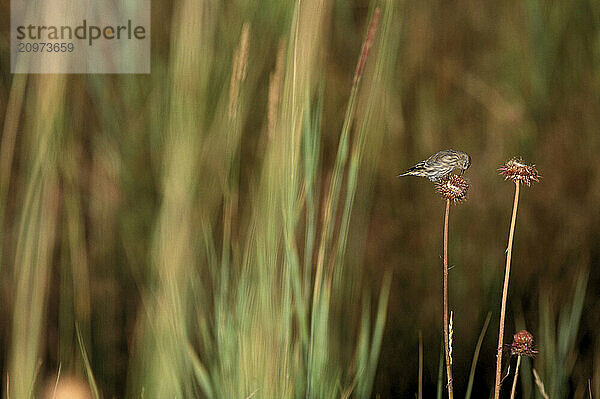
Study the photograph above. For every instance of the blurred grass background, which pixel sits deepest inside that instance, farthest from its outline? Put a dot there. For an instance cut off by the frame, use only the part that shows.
(227, 226)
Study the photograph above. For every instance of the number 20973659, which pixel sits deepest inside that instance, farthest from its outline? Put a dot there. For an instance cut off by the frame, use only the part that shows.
(45, 47)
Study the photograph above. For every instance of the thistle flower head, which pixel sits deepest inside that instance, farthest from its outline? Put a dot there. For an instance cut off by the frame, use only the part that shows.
(519, 172)
(453, 188)
(522, 344)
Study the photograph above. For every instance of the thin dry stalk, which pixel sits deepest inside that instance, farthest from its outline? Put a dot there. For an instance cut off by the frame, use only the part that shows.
(505, 293)
(240, 62)
(275, 84)
(446, 340)
(514, 385)
(476, 355)
(367, 44)
(540, 385)
(420, 392)
(9, 131)
(336, 183)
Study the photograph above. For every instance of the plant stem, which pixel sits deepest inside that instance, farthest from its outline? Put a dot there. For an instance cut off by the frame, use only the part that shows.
(446, 348)
(514, 386)
(505, 293)
(420, 388)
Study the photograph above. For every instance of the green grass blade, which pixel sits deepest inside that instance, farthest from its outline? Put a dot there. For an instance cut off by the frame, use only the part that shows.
(88, 367)
(440, 378)
(476, 355)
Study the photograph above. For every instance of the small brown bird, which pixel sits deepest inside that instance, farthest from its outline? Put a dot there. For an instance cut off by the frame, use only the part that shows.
(440, 164)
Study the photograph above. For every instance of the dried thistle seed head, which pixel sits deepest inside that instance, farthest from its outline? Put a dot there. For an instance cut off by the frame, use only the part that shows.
(453, 188)
(519, 172)
(522, 344)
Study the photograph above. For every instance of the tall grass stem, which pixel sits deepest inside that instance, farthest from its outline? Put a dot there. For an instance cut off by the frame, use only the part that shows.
(420, 392)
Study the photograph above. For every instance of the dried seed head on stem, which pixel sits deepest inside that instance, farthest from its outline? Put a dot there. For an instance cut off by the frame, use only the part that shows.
(519, 172)
(445, 301)
(522, 344)
(453, 188)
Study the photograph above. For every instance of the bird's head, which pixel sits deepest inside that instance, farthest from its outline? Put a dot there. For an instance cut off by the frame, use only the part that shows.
(465, 161)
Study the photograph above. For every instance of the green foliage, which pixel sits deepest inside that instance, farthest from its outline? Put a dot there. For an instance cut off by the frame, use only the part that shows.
(559, 339)
(217, 228)
(238, 270)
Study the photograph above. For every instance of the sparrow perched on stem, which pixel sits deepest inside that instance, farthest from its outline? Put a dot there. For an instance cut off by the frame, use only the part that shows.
(440, 164)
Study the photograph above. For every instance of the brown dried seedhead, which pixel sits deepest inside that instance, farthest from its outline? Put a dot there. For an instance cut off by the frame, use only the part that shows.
(519, 172)
(522, 344)
(453, 188)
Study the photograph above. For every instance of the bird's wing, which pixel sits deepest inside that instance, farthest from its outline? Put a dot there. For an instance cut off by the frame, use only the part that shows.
(446, 155)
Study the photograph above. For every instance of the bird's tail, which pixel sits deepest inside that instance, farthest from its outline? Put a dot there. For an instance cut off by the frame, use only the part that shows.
(414, 171)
